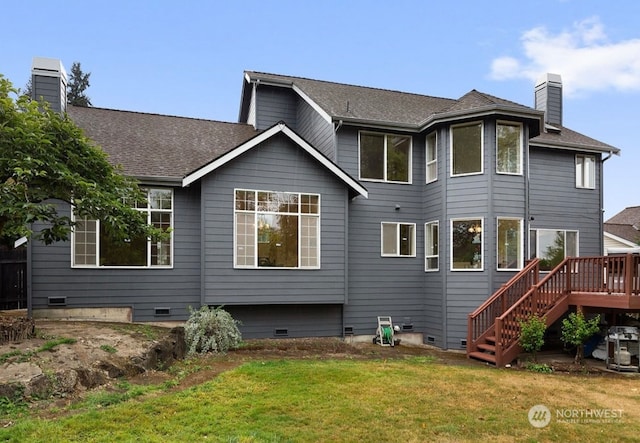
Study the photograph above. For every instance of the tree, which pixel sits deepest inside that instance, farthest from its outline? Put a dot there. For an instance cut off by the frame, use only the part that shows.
(44, 160)
(576, 330)
(78, 83)
(532, 334)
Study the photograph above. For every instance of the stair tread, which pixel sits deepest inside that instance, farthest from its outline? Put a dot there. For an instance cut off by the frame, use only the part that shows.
(483, 356)
(487, 347)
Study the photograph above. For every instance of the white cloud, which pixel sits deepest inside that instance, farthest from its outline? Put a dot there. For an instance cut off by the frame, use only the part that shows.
(583, 56)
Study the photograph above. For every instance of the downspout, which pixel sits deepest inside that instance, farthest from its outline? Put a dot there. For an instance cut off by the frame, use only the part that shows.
(602, 251)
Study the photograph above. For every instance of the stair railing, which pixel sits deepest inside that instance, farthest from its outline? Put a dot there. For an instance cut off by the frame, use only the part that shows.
(481, 321)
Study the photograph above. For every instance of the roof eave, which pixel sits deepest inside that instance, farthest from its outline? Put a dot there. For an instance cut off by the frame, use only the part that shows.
(575, 147)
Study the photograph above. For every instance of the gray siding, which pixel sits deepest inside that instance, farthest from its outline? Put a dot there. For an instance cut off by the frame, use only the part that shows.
(556, 203)
(277, 165)
(274, 104)
(383, 285)
(316, 130)
(260, 321)
(142, 289)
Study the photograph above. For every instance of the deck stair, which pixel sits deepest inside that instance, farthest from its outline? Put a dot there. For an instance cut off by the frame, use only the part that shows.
(494, 328)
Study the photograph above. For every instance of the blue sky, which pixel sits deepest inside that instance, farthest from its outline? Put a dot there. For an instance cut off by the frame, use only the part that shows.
(187, 58)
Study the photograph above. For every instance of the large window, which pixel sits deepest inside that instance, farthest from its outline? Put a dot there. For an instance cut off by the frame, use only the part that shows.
(94, 247)
(585, 171)
(552, 246)
(431, 248)
(277, 229)
(466, 149)
(398, 239)
(432, 158)
(509, 148)
(466, 244)
(509, 245)
(385, 157)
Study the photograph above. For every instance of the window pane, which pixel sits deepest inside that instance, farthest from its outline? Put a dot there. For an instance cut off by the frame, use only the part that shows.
(550, 248)
(406, 240)
(115, 252)
(431, 245)
(245, 239)
(509, 244)
(389, 239)
(309, 241)
(372, 156)
(398, 150)
(467, 244)
(245, 200)
(309, 204)
(432, 162)
(509, 149)
(571, 244)
(467, 149)
(277, 240)
(160, 199)
(85, 242)
(161, 250)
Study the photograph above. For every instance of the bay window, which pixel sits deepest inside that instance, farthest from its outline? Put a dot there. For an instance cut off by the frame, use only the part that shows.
(509, 148)
(466, 149)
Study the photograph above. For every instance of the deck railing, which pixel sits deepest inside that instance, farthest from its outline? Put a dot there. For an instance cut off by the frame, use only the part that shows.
(525, 295)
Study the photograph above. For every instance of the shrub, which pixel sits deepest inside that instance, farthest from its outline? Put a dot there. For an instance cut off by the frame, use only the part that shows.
(576, 330)
(532, 334)
(211, 330)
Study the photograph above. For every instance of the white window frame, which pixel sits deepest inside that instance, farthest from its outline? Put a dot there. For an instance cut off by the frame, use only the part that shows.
(398, 239)
(520, 149)
(254, 213)
(384, 166)
(520, 240)
(451, 141)
(480, 233)
(431, 144)
(148, 210)
(585, 171)
(429, 247)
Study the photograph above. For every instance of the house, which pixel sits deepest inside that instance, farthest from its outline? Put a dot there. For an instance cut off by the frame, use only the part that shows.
(327, 205)
(622, 231)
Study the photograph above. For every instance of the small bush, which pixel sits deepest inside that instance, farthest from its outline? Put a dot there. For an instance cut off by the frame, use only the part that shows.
(211, 330)
(538, 367)
(532, 334)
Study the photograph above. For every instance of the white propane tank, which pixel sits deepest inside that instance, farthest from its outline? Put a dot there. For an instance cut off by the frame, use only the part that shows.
(623, 357)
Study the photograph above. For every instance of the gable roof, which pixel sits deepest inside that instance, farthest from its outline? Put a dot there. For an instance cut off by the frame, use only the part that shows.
(398, 110)
(278, 128)
(159, 147)
(625, 225)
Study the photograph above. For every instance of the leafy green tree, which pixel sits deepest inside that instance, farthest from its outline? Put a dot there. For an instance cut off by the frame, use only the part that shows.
(44, 160)
(532, 334)
(78, 83)
(576, 330)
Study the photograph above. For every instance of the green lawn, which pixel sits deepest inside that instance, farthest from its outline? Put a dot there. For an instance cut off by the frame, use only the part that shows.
(407, 400)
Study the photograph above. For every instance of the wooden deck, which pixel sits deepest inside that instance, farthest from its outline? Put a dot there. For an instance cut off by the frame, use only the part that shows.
(608, 282)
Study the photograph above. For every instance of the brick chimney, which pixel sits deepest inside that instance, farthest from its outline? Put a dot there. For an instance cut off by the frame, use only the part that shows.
(49, 82)
(548, 98)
